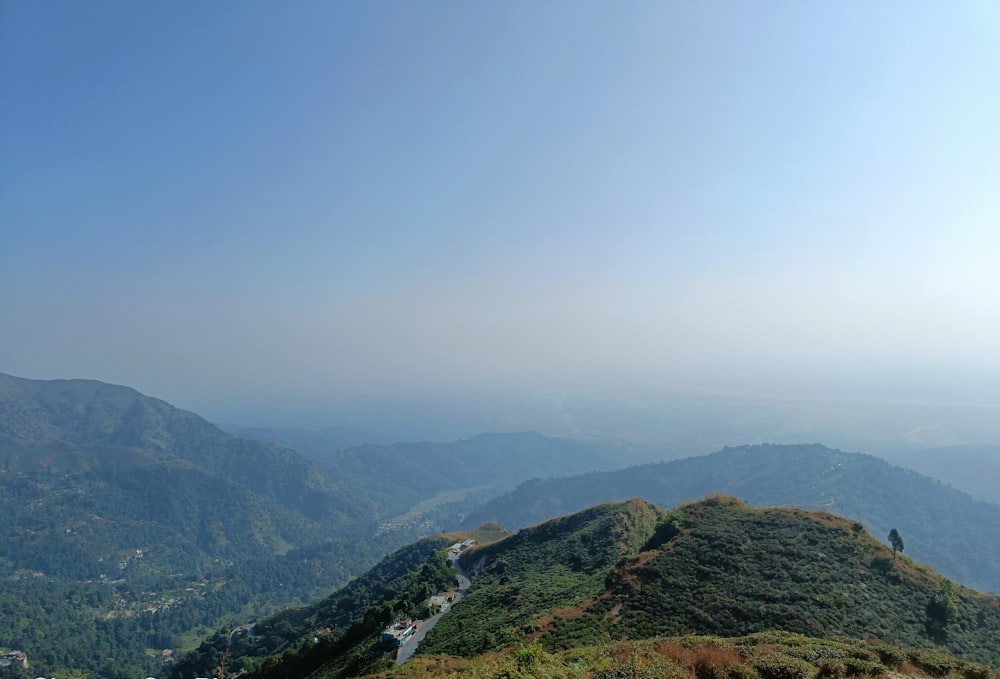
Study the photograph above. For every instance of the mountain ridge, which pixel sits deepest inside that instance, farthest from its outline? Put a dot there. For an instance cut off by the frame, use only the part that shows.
(127, 524)
(130, 507)
(632, 570)
(943, 526)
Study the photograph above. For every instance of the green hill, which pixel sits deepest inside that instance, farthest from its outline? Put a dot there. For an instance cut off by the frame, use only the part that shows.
(92, 474)
(959, 536)
(630, 571)
(78, 426)
(341, 629)
(127, 526)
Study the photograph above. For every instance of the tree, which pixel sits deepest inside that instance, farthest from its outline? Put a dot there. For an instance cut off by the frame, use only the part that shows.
(896, 542)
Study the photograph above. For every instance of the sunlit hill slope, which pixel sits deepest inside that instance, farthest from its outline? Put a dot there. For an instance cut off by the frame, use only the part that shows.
(959, 536)
(634, 571)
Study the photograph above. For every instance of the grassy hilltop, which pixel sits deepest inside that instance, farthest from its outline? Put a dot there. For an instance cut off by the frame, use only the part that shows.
(778, 588)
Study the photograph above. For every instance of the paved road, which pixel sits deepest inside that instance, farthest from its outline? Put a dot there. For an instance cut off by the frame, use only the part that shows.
(407, 650)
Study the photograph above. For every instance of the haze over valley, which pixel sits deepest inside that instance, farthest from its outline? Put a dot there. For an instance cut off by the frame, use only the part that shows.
(583, 340)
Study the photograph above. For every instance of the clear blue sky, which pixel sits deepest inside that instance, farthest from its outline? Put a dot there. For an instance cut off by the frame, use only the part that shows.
(250, 201)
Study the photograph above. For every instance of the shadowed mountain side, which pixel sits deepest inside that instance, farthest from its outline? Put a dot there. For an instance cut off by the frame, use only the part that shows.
(126, 523)
(941, 526)
(82, 414)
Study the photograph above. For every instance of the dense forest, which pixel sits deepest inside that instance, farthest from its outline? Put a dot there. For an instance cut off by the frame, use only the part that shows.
(136, 537)
(130, 528)
(113, 625)
(288, 643)
(396, 587)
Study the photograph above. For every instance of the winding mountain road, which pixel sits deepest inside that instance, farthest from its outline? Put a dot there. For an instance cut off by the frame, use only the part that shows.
(407, 650)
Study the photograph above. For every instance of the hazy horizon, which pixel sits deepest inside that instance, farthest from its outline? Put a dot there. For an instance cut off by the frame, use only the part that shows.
(278, 211)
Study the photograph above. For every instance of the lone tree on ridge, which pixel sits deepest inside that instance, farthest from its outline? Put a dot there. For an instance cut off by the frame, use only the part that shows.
(896, 542)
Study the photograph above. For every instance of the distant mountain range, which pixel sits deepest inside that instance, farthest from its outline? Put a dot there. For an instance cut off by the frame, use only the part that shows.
(126, 523)
(635, 571)
(459, 475)
(129, 526)
(970, 469)
(941, 526)
(101, 470)
(312, 442)
(151, 469)
(157, 522)
(403, 474)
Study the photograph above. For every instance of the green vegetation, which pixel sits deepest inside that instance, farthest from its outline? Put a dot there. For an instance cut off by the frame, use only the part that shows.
(959, 537)
(338, 635)
(129, 527)
(732, 570)
(558, 564)
(100, 567)
(341, 627)
(716, 567)
(769, 655)
(119, 626)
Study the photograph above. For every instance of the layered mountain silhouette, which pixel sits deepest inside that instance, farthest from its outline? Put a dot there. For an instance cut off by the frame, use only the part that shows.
(127, 523)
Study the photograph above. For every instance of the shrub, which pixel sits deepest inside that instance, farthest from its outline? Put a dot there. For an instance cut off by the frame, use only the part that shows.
(679, 654)
(616, 673)
(972, 671)
(890, 656)
(932, 663)
(528, 655)
(859, 667)
(741, 671)
(864, 654)
(712, 662)
(816, 652)
(782, 666)
(831, 669)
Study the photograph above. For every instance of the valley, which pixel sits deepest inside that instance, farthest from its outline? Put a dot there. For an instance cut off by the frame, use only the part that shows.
(753, 580)
(559, 339)
(141, 536)
(131, 527)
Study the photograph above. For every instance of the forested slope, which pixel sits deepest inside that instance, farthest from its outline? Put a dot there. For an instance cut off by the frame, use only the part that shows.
(129, 526)
(339, 632)
(632, 570)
